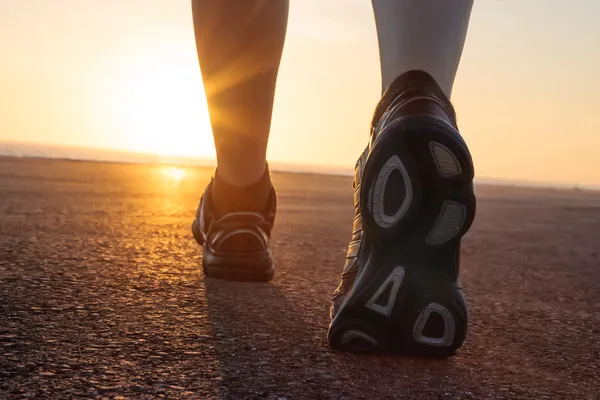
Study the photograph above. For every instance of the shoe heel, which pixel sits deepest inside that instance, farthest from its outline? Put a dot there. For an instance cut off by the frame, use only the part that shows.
(417, 183)
(438, 329)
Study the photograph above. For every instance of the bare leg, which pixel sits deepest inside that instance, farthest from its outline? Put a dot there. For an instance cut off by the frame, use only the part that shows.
(239, 47)
(426, 35)
(239, 44)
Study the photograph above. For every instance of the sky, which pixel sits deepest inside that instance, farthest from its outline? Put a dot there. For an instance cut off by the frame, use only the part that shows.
(124, 75)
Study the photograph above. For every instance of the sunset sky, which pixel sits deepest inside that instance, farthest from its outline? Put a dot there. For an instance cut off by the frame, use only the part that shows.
(124, 75)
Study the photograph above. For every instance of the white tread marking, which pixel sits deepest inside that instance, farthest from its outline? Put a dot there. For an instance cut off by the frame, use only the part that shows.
(378, 193)
(448, 224)
(395, 279)
(449, 326)
(356, 334)
(446, 162)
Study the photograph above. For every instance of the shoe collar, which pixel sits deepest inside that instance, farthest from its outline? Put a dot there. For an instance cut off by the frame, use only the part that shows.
(412, 84)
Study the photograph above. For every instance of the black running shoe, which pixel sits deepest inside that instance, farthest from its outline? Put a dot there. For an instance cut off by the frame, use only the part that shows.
(235, 245)
(414, 201)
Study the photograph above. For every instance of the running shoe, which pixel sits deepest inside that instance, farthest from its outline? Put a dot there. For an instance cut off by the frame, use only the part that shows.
(414, 200)
(236, 244)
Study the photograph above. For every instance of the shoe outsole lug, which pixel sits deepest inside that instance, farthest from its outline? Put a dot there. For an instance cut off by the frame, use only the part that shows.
(447, 338)
(449, 223)
(378, 191)
(394, 283)
(358, 340)
(446, 162)
(357, 337)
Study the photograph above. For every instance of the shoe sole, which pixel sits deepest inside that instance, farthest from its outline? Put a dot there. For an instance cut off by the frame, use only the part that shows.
(245, 267)
(403, 300)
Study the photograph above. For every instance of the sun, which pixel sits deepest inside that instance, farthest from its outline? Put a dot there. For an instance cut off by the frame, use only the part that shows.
(163, 107)
(175, 174)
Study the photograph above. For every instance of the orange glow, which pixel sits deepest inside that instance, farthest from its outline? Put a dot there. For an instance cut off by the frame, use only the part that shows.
(174, 174)
(125, 76)
(164, 108)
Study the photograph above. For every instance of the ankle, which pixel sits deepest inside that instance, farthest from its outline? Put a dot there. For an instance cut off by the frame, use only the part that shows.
(229, 197)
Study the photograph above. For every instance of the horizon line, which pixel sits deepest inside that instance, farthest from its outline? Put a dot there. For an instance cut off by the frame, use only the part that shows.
(120, 156)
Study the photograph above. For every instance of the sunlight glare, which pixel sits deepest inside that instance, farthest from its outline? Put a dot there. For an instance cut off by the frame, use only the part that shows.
(164, 108)
(175, 174)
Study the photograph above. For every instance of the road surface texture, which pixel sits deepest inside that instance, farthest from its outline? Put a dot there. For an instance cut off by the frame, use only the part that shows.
(102, 294)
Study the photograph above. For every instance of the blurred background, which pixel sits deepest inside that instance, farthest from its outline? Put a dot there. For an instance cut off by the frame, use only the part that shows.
(106, 76)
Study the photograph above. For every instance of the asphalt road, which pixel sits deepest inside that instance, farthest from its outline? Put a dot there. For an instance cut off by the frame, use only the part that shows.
(102, 294)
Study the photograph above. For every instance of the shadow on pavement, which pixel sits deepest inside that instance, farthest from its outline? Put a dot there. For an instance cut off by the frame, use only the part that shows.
(267, 349)
(257, 334)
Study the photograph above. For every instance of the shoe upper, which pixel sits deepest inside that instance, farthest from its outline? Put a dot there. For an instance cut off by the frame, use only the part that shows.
(414, 93)
(355, 254)
(237, 232)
